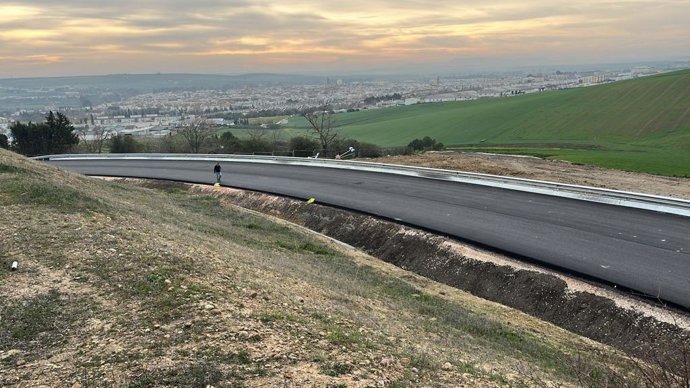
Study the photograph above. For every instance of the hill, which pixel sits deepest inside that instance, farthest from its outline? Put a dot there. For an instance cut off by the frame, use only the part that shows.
(142, 83)
(127, 286)
(638, 125)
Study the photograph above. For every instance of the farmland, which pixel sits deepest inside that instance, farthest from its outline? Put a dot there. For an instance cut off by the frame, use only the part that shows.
(636, 125)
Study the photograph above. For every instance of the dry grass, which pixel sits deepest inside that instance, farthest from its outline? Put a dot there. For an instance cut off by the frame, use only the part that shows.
(549, 170)
(127, 286)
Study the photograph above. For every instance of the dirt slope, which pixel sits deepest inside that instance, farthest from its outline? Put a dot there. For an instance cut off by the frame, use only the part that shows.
(127, 286)
(548, 170)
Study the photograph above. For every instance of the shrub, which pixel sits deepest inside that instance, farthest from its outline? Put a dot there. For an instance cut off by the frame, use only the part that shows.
(303, 146)
(123, 144)
(426, 143)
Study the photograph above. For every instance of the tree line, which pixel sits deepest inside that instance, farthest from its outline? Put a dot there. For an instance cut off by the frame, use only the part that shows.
(57, 135)
(54, 136)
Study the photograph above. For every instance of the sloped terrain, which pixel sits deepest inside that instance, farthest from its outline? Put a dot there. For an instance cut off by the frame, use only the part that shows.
(645, 110)
(127, 286)
(635, 125)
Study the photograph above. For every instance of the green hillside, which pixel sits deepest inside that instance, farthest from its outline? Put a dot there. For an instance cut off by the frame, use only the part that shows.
(641, 124)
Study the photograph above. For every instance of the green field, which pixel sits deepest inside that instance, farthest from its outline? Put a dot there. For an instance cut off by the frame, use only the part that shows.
(638, 125)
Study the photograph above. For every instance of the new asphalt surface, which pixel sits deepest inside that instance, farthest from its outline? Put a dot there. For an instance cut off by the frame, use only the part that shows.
(640, 250)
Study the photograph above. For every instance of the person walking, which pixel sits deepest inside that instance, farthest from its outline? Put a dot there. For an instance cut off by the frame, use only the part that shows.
(216, 171)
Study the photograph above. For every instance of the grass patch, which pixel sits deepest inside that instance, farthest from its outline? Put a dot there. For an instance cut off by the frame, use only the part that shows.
(165, 302)
(422, 361)
(335, 369)
(10, 169)
(40, 321)
(196, 375)
(344, 337)
(268, 317)
(305, 246)
(24, 323)
(153, 282)
(159, 289)
(30, 191)
(241, 357)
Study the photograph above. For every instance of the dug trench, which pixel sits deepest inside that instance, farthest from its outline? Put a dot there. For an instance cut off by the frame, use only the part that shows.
(644, 330)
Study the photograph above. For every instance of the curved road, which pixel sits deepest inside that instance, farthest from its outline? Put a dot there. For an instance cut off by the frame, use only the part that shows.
(641, 250)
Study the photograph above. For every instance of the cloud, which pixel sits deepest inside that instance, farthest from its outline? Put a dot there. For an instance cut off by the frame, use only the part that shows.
(230, 35)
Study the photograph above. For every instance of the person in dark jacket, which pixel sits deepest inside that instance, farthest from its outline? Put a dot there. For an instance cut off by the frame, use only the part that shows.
(216, 171)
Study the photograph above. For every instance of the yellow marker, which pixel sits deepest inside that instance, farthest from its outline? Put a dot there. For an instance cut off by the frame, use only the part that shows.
(311, 200)
(216, 184)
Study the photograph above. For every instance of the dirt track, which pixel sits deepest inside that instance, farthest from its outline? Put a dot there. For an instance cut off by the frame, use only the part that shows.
(549, 170)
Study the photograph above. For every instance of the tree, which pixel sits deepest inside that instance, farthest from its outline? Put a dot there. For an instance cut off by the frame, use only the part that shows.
(196, 134)
(4, 142)
(230, 143)
(322, 124)
(426, 143)
(257, 134)
(55, 136)
(98, 136)
(123, 144)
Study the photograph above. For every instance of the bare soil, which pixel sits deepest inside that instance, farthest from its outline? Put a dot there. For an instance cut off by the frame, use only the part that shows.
(549, 170)
(126, 286)
(599, 313)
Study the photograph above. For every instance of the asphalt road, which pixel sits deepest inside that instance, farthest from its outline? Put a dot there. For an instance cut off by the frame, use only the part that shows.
(641, 250)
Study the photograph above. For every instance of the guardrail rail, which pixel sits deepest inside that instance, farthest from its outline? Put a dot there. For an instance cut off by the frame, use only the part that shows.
(592, 194)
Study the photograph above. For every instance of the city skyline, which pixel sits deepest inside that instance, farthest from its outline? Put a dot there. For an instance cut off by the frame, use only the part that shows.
(76, 37)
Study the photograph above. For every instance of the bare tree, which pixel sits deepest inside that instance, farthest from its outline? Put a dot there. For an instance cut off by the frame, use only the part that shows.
(196, 133)
(94, 139)
(256, 134)
(322, 124)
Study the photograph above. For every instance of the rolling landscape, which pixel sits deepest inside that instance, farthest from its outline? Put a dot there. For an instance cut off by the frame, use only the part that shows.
(636, 125)
(368, 194)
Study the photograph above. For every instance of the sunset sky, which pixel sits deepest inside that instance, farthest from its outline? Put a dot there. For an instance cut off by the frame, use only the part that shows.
(74, 37)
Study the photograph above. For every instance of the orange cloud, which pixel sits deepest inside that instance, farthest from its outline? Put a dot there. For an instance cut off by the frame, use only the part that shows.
(356, 31)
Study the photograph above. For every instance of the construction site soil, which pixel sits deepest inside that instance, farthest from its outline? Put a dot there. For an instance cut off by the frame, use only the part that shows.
(549, 170)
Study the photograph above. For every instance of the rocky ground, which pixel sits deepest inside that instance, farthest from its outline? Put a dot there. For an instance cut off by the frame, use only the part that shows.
(548, 170)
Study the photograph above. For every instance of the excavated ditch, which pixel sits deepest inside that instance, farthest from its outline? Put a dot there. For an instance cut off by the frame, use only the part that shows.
(636, 327)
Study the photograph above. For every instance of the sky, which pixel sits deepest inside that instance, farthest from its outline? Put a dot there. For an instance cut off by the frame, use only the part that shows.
(86, 37)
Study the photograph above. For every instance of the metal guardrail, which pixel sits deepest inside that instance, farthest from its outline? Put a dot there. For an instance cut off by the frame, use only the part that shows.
(614, 197)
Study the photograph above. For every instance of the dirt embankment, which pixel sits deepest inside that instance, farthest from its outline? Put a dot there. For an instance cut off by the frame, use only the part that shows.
(600, 314)
(548, 170)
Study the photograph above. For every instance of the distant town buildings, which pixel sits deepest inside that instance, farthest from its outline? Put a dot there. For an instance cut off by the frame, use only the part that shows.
(159, 113)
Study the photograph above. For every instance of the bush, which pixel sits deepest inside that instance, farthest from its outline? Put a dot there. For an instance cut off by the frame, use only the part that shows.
(123, 144)
(425, 144)
(230, 143)
(256, 146)
(4, 142)
(303, 146)
(362, 150)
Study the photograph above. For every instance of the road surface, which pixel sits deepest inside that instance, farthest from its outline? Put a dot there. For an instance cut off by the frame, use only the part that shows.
(640, 250)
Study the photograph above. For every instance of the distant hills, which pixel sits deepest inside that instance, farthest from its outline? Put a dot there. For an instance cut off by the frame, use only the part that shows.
(143, 83)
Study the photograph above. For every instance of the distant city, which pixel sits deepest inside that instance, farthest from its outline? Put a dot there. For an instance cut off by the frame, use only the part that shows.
(156, 105)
